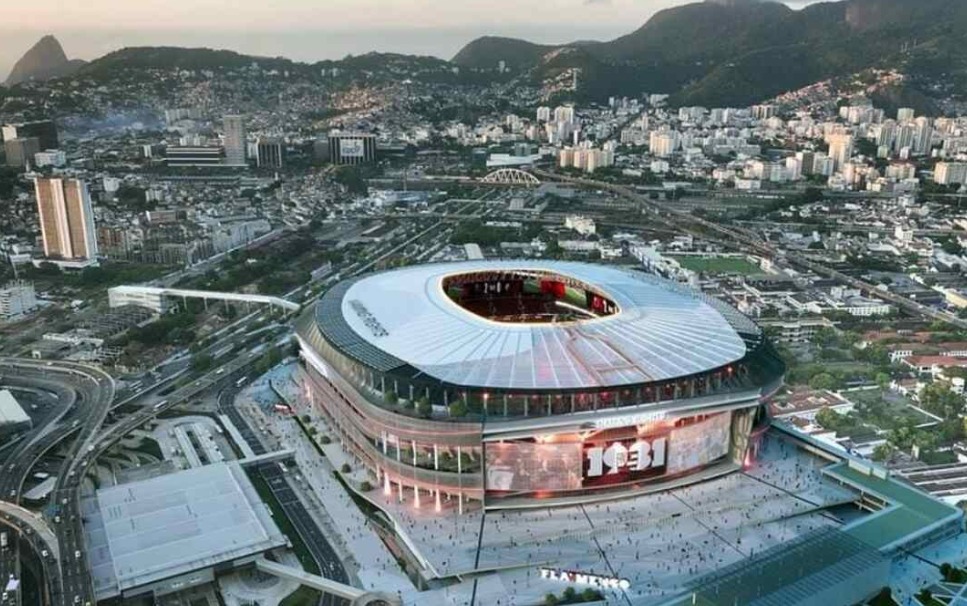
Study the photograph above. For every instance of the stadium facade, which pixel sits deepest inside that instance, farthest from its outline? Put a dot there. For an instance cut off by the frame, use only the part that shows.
(534, 383)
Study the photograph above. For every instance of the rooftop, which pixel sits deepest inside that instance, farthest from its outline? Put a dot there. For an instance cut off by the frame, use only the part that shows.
(10, 411)
(659, 330)
(154, 529)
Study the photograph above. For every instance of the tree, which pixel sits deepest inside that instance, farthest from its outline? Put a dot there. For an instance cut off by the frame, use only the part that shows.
(569, 594)
(822, 381)
(424, 408)
(882, 380)
(941, 401)
(365, 486)
(883, 452)
(390, 397)
(458, 409)
(829, 418)
(551, 600)
(345, 468)
(201, 362)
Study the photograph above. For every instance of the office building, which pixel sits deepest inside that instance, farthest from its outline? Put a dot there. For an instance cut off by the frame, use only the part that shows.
(21, 151)
(234, 140)
(352, 148)
(44, 130)
(269, 153)
(66, 221)
(193, 156)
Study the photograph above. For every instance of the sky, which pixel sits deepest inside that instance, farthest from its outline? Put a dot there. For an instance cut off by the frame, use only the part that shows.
(311, 30)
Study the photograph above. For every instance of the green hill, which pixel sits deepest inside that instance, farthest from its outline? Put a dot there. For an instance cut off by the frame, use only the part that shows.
(742, 51)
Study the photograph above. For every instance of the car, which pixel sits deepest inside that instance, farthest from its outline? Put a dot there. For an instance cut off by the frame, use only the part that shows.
(77, 554)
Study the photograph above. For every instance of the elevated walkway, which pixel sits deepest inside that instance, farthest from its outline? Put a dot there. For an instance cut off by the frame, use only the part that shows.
(356, 596)
(152, 297)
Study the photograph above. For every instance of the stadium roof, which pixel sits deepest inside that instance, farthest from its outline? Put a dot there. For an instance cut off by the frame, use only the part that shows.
(171, 525)
(661, 331)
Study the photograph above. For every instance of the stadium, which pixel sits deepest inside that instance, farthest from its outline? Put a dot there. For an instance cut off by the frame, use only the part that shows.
(518, 384)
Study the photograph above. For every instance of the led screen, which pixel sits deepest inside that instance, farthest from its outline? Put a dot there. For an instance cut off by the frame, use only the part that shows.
(528, 466)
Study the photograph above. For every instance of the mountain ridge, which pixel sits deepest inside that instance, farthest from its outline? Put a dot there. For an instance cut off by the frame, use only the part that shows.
(739, 52)
(44, 60)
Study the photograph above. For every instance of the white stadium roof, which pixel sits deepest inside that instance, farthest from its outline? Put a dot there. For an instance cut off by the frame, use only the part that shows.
(662, 330)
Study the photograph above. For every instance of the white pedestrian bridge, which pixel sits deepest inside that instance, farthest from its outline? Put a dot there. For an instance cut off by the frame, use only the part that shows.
(157, 298)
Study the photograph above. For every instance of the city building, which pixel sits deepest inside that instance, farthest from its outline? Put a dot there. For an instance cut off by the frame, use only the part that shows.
(564, 113)
(950, 173)
(905, 114)
(583, 225)
(168, 533)
(352, 148)
(840, 149)
(663, 143)
(17, 299)
(535, 383)
(13, 419)
(193, 156)
(50, 157)
(234, 140)
(66, 221)
(44, 130)
(21, 151)
(270, 153)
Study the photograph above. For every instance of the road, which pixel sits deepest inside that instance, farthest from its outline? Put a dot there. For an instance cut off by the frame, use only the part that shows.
(747, 239)
(326, 558)
(93, 391)
(82, 426)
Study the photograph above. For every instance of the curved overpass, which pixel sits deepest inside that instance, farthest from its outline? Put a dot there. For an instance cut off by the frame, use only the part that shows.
(68, 580)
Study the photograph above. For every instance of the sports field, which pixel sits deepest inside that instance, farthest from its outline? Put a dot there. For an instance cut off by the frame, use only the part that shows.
(717, 265)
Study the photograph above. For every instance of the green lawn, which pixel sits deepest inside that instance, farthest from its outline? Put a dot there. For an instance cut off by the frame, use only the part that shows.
(303, 596)
(717, 265)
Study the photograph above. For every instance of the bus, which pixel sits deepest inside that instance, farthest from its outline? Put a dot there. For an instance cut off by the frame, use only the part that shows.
(160, 404)
(241, 382)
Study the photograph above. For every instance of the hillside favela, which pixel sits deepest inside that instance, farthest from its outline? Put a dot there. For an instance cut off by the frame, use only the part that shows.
(483, 303)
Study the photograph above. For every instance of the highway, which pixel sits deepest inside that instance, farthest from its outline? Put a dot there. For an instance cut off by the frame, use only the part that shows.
(88, 395)
(93, 392)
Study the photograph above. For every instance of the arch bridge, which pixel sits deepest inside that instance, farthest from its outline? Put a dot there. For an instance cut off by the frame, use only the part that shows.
(511, 176)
